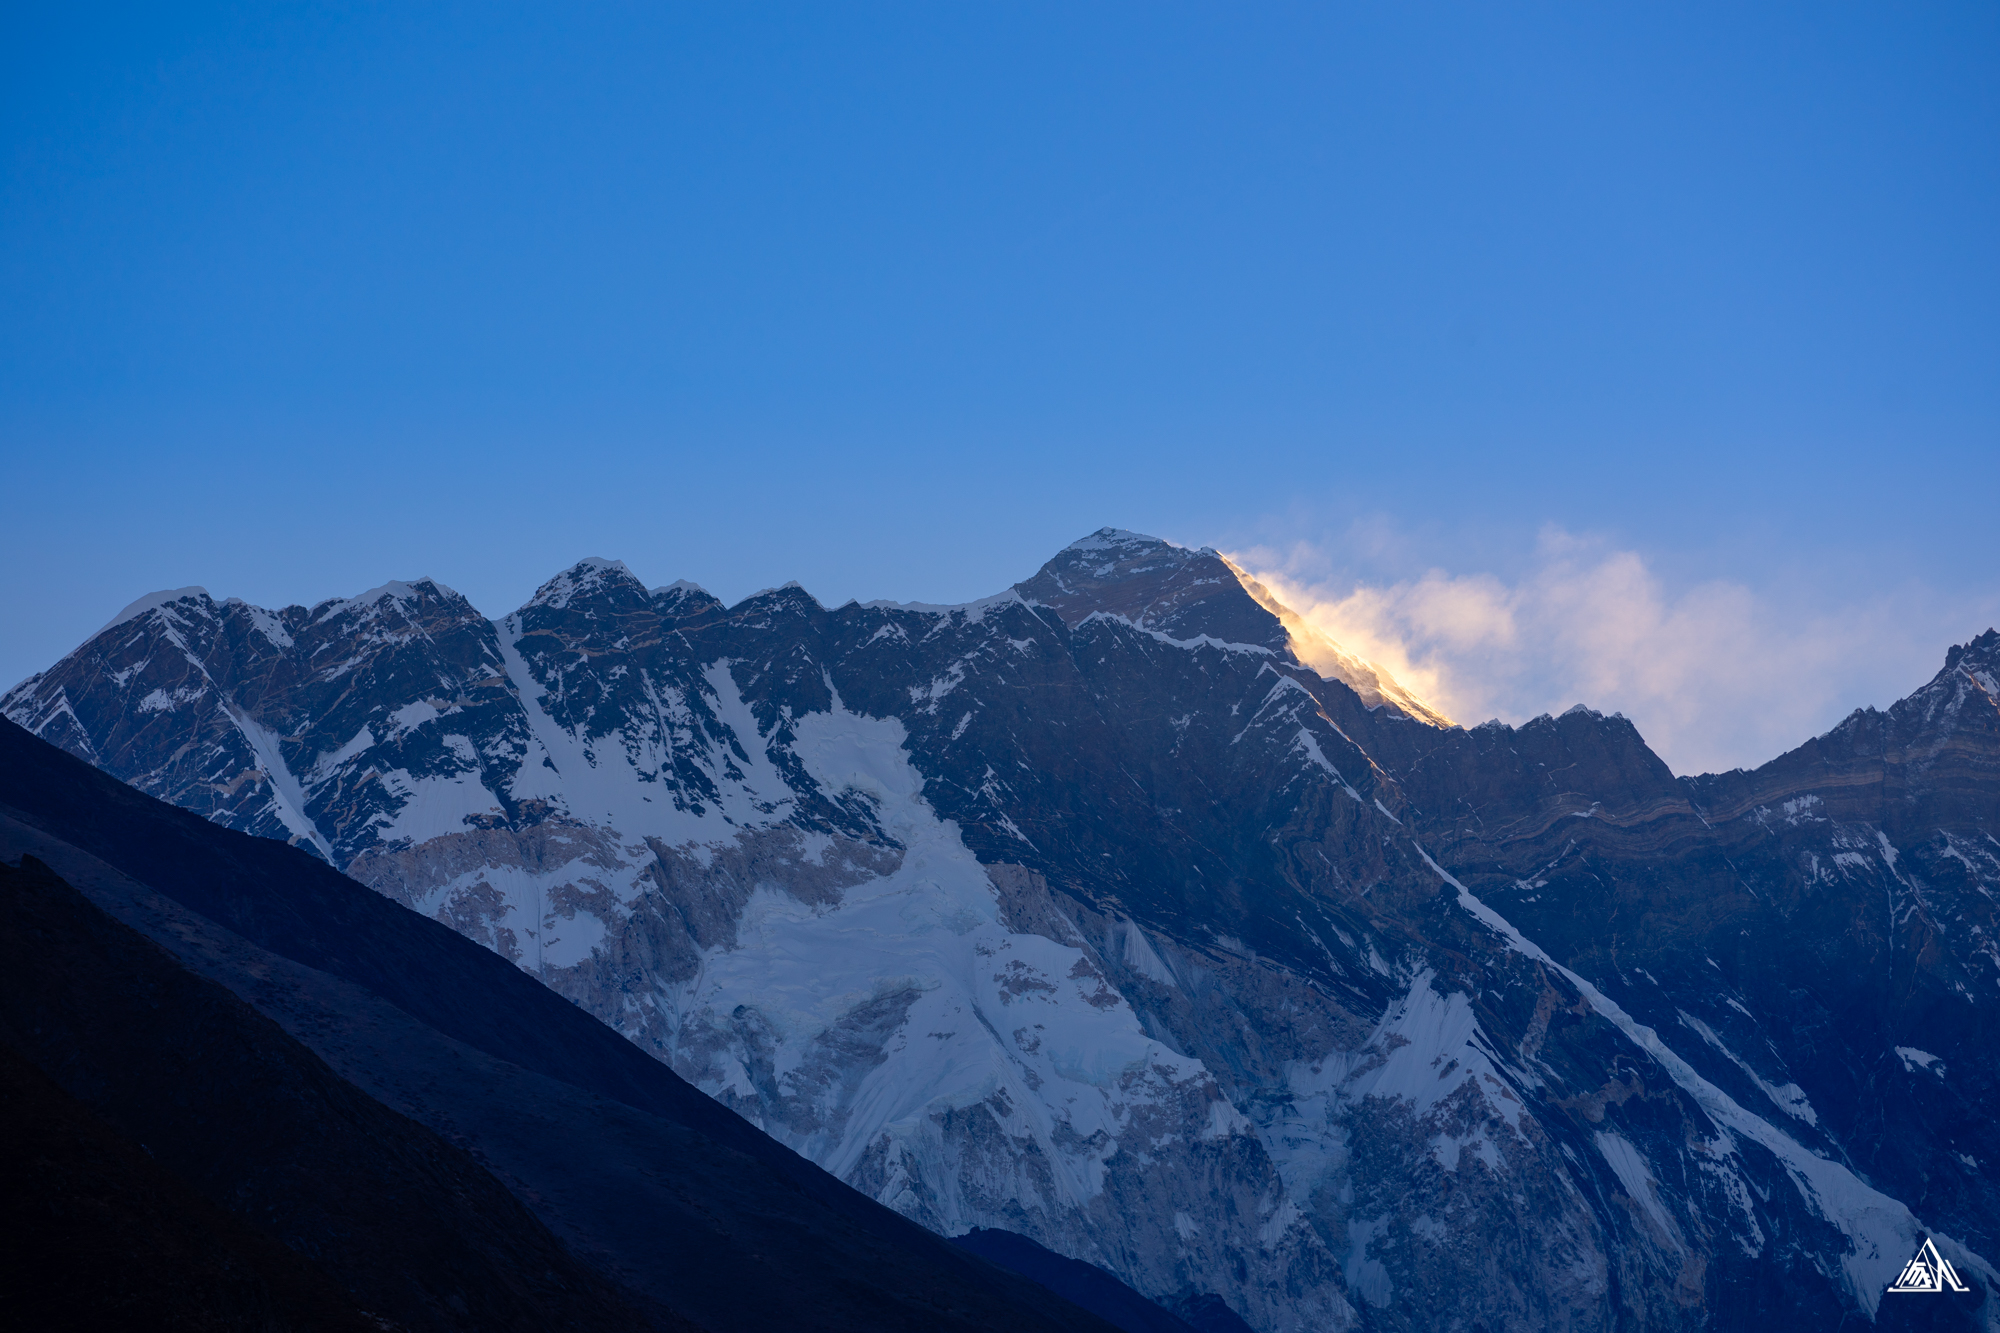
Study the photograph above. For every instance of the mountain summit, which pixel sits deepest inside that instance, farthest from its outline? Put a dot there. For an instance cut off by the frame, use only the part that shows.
(1109, 913)
(1191, 594)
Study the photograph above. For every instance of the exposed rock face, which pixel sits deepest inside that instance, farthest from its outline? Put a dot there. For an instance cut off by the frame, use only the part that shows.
(1093, 912)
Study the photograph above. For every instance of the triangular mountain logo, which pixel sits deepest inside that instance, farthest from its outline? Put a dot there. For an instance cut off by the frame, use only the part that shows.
(1929, 1271)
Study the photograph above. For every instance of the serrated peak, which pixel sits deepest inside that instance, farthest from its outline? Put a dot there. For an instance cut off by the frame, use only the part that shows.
(1981, 650)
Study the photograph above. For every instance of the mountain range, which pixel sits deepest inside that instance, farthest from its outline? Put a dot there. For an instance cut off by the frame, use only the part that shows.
(1122, 914)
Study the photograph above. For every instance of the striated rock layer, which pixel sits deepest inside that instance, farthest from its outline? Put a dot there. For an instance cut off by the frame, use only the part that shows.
(1096, 913)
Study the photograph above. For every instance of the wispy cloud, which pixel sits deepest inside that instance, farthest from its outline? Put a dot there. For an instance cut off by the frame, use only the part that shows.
(1717, 675)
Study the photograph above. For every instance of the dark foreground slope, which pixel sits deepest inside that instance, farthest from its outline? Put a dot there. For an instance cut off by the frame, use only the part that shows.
(1086, 1284)
(648, 1184)
(102, 1236)
(220, 1096)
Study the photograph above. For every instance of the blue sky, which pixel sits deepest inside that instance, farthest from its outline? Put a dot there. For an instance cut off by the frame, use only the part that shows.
(896, 300)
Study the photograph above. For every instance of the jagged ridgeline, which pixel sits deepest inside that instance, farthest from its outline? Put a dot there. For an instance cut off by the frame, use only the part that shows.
(1120, 912)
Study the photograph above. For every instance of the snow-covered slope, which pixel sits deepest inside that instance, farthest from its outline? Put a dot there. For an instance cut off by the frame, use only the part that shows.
(1104, 911)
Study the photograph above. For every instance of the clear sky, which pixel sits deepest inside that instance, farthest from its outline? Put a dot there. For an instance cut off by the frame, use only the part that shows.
(1643, 355)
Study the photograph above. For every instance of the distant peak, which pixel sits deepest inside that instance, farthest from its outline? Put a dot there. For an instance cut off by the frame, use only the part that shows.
(586, 576)
(1154, 584)
(972, 610)
(397, 590)
(593, 570)
(680, 587)
(792, 591)
(153, 601)
(402, 589)
(1115, 539)
(1111, 555)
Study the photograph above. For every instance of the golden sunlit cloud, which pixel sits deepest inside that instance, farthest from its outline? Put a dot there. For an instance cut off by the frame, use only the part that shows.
(1715, 676)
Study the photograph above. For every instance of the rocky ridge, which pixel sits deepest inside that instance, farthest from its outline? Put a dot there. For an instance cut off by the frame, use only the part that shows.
(1096, 913)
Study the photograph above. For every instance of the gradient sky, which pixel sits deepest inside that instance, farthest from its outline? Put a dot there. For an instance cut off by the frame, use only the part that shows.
(897, 300)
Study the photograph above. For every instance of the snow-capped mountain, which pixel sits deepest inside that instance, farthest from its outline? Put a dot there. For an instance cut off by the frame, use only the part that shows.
(1118, 912)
